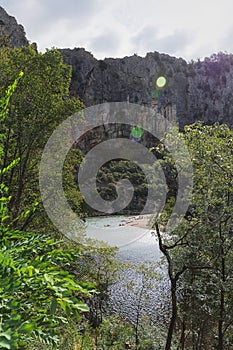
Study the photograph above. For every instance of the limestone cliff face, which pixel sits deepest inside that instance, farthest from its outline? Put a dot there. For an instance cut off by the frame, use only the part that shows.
(130, 79)
(209, 92)
(194, 91)
(11, 33)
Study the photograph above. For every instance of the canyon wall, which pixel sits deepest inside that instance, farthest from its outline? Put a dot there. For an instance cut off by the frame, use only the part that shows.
(194, 91)
(201, 90)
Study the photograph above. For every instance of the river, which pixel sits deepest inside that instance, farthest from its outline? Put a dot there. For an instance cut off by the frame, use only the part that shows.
(136, 246)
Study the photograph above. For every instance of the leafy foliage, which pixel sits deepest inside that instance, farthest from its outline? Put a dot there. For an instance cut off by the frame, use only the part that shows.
(198, 252)
(37, 293)
(39, 104)
(74, 197)
(116, 170)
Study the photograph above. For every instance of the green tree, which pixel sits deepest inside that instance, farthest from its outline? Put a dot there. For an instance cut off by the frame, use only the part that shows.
(198, 252)
(70, 182)
(40, 103)
(100, 266)
(37, 293)
(212, 234)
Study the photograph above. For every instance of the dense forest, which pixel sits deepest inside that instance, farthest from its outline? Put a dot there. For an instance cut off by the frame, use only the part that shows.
(54, 292)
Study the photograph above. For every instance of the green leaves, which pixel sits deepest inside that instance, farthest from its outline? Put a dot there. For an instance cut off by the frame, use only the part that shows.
(4, 101)
(39, 104)
(27, 327)
(204, 240)
(53, 306)
(5, 344)
(198, 252)
(37, 294)
(32, 288)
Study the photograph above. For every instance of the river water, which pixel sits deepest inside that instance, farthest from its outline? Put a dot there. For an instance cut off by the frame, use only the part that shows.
(137, 246)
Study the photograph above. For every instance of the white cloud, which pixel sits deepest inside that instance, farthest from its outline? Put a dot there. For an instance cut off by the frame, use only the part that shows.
(227, 42)
(189, 29)
(105, 44)
(148, 40)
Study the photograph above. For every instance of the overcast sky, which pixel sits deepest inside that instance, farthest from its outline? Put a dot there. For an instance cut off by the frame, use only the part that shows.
(117, 28)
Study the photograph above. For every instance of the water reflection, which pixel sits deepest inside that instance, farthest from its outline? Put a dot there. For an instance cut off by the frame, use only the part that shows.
(136, 246)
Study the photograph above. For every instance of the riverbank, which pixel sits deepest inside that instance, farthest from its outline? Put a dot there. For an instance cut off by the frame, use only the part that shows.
(141, 221)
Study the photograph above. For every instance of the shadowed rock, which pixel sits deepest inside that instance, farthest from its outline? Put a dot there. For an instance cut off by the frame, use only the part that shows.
(11, 33)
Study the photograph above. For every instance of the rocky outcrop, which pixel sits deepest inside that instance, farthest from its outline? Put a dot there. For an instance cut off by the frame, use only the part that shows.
(11, 33)
(130, 79)
(194, 91)
(209, 95)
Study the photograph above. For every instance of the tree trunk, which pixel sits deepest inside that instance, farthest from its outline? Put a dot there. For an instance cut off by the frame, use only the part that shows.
(220, 322)
(222, 294)
(182, 337)
(173, 316)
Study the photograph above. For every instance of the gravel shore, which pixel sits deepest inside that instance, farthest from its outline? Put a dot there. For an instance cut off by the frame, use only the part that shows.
(142, 221)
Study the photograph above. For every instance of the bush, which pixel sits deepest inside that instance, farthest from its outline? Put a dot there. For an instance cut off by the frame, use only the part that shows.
(37, 293)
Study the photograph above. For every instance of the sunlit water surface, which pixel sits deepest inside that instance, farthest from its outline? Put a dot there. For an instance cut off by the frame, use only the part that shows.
(136, 246)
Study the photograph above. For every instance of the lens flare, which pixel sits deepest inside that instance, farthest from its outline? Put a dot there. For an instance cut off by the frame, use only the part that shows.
(161, 82)
(137, 132)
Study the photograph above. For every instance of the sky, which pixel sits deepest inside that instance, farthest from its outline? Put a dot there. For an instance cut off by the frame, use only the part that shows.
(117, 28)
